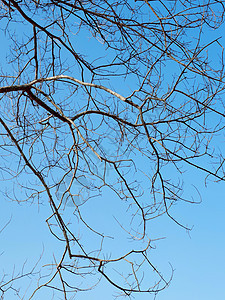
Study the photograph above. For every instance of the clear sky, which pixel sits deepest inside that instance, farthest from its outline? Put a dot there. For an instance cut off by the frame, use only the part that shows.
(197, 257)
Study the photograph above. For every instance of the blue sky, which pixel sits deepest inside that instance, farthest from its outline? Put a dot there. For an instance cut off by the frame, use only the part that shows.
(196, 256)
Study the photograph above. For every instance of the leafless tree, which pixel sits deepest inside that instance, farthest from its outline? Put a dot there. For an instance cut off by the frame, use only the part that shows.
(109, 99)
